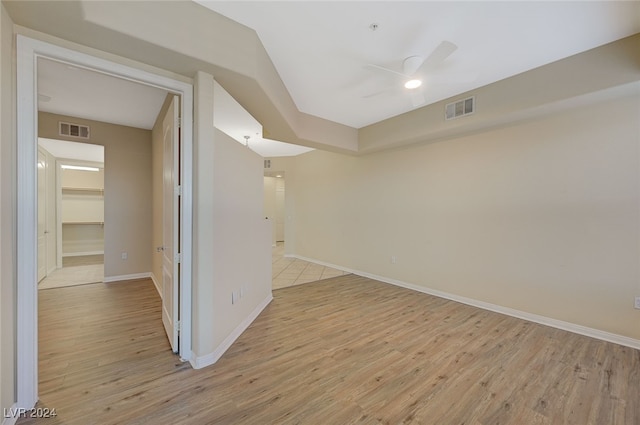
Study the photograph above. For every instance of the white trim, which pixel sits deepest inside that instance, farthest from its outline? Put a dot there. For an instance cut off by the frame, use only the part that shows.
(26, 293)
(531, 317)
(28, 51)
(323, 263)
(186, 216)
(155, 283)
(125, 277)
(211, 358)
(58, 215)
(10, 420)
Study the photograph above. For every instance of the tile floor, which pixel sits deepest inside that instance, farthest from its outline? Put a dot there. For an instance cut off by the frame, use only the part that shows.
(285, 271)
(72, 276)
(291, 271)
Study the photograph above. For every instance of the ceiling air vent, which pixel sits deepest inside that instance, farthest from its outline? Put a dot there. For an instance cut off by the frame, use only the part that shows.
(73, 130)
(460, 108)
(267, 163)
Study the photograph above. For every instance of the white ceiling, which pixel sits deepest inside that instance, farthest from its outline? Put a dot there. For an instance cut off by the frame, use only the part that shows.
(77, 92)
(321, 48)
(232, 119)
(73, 150)
(69, 90)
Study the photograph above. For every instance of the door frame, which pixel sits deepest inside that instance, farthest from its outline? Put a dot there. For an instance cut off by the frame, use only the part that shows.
(28, 52)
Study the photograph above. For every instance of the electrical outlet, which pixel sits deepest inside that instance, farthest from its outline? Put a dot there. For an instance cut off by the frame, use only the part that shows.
(235, 297)
(393, 259)
(638, 303)
(124, 255)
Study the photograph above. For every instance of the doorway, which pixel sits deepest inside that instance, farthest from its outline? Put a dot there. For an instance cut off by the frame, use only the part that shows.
(28, 53)
(274, 204)
(71, 199)
(279, 216)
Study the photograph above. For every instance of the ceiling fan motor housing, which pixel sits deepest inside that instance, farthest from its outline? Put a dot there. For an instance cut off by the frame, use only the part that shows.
(411, 64)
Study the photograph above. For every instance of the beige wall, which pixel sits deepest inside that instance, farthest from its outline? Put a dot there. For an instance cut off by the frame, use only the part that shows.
(7, 217)
(540, 216)
(203, 235)
(127, 196)
(242, 237)
(229, 232)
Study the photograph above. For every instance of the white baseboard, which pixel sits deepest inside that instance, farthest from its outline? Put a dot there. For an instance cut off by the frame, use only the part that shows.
(156, 283)
(211, 358)
(124, 277)
(536, 318)
(10, 415)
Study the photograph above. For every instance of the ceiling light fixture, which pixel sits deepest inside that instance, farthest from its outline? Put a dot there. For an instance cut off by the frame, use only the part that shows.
(79, 168)
(412, 84)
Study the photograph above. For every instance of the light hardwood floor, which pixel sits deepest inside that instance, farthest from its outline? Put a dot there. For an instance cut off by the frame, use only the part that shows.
(346, 350)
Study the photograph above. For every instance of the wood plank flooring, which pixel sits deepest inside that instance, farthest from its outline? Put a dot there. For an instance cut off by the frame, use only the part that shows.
(346, 350)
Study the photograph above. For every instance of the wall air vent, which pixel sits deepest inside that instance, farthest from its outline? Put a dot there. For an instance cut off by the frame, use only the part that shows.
(460, 108)
(73, 130)
(267, 163)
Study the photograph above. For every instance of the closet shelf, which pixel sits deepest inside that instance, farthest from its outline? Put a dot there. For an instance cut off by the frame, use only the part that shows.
(84, 222)
(82, 189)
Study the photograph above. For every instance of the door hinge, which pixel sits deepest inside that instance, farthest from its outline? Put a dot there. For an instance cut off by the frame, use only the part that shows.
(179, 190)
(178, 258)
(178, 326)
(179, 122)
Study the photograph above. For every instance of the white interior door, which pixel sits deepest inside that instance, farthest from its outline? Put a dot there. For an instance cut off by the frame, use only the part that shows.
(280, 212)
(170, 212)
(51, 214)
(42, 215)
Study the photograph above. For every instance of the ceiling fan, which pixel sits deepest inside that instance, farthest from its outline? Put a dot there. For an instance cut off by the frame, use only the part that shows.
(414, 71)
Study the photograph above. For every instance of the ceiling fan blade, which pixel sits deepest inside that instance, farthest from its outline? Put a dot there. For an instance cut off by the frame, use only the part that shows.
(417, 97)
(442, 52)
(412, 64)
(377, 68)
(379, 92)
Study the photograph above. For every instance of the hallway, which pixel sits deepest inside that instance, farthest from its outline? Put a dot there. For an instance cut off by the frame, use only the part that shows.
(292, 271)
(285, 271)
